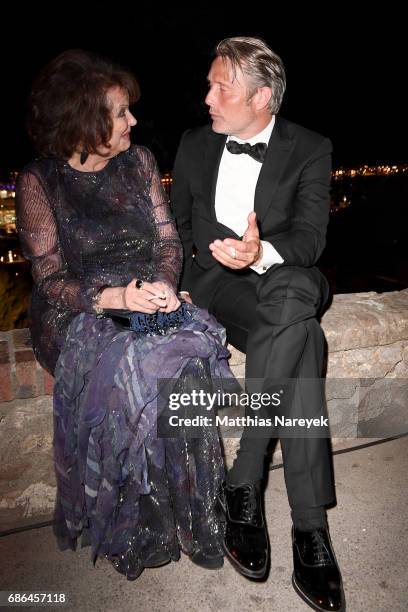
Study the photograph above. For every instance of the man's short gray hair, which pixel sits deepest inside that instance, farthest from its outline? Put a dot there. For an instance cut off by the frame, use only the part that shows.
(262, 66)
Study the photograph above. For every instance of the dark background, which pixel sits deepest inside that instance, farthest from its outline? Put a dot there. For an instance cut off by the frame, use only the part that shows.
(346, 75)
(345, 71)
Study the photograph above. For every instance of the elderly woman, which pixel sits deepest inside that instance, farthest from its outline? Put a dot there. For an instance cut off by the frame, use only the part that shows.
(94, 221)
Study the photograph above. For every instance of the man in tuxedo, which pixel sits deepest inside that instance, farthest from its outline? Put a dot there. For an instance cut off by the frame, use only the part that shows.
(251, 199)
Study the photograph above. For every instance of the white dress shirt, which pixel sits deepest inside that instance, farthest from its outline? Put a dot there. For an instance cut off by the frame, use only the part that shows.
(235, 193)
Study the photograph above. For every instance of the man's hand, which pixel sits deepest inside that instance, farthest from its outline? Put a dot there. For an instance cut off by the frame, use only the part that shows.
(239, 254)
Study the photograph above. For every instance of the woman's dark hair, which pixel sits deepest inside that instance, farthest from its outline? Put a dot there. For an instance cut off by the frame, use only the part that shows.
(68, 109)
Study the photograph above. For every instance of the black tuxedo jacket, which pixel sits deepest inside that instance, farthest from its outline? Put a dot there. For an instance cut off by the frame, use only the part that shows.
(292, 201)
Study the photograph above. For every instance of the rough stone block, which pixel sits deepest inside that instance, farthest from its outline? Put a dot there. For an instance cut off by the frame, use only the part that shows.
(6, 389)
(4, 352)
(26, 384)
(48, 383)
(21, 338)
(22, 356)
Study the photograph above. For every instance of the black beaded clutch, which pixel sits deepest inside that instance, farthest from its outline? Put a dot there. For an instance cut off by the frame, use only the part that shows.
(158, 323)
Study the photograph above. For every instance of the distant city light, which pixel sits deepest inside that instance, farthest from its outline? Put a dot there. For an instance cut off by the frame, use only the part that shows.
(7, 192)
(381, 170)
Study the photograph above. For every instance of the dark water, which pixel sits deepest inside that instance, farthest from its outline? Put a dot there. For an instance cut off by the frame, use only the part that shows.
(367, 246)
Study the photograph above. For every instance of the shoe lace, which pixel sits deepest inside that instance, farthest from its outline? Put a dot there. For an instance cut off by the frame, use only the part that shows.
(320, 551)
(249, 505)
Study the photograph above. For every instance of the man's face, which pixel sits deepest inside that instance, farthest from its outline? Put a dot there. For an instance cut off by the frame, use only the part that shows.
(230, 110)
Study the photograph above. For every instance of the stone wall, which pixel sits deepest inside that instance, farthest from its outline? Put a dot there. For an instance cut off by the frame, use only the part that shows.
(366, 390)
(21, 377)
(27, 482)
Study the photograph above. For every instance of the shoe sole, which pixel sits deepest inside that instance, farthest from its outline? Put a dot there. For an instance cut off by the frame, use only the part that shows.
(310, 602)
(243, 570)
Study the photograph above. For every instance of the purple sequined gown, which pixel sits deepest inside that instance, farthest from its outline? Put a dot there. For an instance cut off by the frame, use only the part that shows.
(135, 497)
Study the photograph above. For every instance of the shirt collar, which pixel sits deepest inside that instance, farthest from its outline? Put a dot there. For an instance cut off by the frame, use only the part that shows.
(262, 136)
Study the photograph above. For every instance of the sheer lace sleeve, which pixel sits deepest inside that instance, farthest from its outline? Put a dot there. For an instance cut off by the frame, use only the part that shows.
(40, 244)
(168, 256)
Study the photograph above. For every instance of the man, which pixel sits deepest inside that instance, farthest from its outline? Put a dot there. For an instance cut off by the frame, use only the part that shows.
(251, 199)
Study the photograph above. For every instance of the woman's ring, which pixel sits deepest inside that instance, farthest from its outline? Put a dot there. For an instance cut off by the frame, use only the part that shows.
(233, 253)
(139, 283)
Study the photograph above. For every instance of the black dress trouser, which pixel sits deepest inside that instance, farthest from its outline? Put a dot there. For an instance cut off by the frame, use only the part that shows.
(272, 318)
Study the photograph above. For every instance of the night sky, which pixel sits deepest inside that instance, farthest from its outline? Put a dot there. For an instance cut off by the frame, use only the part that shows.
(345, 73)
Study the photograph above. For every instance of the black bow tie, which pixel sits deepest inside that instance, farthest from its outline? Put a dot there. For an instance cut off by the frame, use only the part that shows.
(257, 151)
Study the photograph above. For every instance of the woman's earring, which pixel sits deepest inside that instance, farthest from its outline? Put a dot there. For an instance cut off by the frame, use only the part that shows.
(83, 157)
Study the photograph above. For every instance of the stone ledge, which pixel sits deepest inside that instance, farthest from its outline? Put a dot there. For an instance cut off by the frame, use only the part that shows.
(365, 320)
(367, 367)
(26, 461)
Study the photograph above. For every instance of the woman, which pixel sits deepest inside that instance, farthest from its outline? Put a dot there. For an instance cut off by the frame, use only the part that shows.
(95, 223)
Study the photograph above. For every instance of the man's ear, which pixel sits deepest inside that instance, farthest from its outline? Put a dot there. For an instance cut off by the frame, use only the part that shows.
(261, 97)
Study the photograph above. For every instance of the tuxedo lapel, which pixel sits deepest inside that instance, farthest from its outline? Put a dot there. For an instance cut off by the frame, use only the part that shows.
(212, 157)
(277, 156)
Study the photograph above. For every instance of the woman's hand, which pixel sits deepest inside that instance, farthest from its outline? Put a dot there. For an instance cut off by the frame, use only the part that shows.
(186, 297)
(130, 298)
(151, 297)
(171, 301)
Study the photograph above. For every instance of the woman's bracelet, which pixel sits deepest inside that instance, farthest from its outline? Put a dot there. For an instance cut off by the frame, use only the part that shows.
(96, 299)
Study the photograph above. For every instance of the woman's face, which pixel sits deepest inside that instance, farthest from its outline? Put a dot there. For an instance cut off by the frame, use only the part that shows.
(122, 118)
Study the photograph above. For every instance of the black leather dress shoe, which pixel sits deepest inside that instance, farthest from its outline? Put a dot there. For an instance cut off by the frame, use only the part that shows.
(316, 577)
(246, 540)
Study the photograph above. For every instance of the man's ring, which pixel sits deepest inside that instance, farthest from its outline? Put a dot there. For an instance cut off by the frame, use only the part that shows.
(233, 253)
(139, 283)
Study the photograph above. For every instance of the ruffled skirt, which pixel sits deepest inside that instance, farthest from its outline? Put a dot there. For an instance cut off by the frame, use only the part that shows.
(134, 496)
